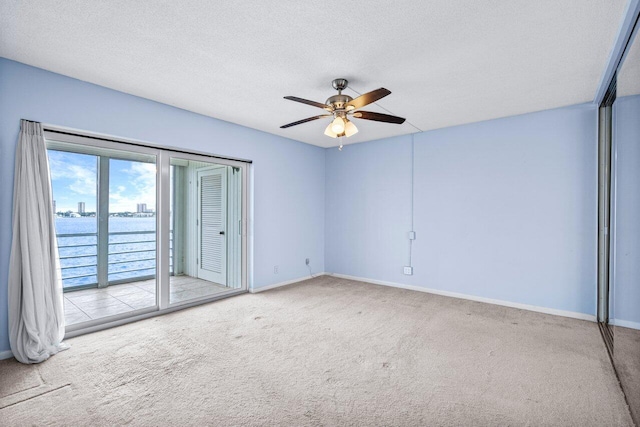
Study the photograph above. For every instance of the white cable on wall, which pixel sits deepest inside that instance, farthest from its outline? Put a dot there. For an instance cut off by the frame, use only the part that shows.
(412, 191)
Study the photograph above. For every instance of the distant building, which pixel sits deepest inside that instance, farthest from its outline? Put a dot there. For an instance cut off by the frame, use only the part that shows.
(141, 208)
(80, 207)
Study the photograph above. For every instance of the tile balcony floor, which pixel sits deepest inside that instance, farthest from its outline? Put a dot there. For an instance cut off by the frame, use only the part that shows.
(88, 304)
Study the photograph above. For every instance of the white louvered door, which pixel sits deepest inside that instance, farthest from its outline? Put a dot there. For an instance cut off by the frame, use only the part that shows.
(212, 220)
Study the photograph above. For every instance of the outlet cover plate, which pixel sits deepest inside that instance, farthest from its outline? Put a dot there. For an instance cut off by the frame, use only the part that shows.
(408, 271)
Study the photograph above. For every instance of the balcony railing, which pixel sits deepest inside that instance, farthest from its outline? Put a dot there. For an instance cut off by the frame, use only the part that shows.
(131, 257)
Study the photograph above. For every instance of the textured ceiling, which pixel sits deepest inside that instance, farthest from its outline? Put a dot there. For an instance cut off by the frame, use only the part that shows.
(446, 62)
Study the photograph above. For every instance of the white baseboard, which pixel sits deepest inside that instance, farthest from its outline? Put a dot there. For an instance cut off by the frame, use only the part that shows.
(563, 313)
(288, 282)
(625, 324)
(7, 354)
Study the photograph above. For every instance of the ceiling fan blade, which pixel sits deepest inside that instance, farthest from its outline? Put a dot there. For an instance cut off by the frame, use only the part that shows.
(309, 119)
(378, 117)
(368, 98)
(306, 101)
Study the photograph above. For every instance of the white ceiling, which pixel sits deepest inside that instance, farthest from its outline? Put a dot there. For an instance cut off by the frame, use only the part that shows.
(446, 62)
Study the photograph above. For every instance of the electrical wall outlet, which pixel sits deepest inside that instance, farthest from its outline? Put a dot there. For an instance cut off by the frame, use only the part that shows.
(306, 261)
(412, 235)
(408, 271)
(275, 269)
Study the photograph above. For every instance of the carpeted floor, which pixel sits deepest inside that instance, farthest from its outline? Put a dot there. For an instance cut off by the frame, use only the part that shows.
(326, 351)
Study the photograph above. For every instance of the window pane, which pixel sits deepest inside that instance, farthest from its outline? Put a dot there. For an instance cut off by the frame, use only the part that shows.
(132, 220)
(74, 184)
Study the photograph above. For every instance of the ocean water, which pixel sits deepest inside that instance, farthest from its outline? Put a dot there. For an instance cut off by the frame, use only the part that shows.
(131, 255)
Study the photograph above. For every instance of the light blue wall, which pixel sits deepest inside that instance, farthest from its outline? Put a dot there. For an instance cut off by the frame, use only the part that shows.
(368, 208)
(504, 209)
(288, 175)
(626, 286)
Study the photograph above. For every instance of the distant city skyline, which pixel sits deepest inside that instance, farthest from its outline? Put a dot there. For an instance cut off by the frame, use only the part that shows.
(140, 208)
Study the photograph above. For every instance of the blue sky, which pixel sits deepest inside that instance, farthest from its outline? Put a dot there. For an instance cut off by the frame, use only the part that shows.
(74, 179)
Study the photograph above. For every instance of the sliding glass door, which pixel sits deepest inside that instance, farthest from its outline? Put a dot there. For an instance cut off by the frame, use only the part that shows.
(107, 243)
(142, 229)
(206, 225)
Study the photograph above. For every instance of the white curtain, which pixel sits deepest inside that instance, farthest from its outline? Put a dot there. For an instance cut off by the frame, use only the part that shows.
(36, 313)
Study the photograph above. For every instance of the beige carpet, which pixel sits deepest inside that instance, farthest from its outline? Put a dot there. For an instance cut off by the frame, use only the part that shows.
(326, 352)
(626, 344)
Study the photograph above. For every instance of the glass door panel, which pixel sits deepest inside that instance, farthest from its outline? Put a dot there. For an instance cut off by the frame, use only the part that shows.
(131, 269)
(206, 229)
(105, 204)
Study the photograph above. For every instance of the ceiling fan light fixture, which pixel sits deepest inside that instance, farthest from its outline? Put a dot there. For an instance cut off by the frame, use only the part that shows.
(329, 131)
(338, 125)
(350, 128)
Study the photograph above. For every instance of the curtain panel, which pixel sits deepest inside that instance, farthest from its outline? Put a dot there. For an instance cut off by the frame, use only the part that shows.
(36, 312)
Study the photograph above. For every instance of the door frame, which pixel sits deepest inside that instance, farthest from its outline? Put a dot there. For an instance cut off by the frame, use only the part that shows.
(606, 206)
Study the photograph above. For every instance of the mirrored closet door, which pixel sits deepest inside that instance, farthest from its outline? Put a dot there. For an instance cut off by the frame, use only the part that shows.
(623, 320)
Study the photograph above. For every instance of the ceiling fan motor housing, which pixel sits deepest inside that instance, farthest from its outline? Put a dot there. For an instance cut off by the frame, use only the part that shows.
(338, 101)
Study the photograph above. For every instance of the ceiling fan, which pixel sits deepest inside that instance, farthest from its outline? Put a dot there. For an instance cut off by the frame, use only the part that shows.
(341, 107)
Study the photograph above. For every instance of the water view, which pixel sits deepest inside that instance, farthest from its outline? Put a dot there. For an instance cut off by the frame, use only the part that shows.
(132, 249)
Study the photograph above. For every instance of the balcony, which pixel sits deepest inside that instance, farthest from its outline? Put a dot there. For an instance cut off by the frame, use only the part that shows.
(95, 303)
(130, 272)
(129, 256)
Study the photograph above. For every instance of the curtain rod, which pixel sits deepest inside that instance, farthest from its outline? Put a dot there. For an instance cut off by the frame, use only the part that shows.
(102, 138)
